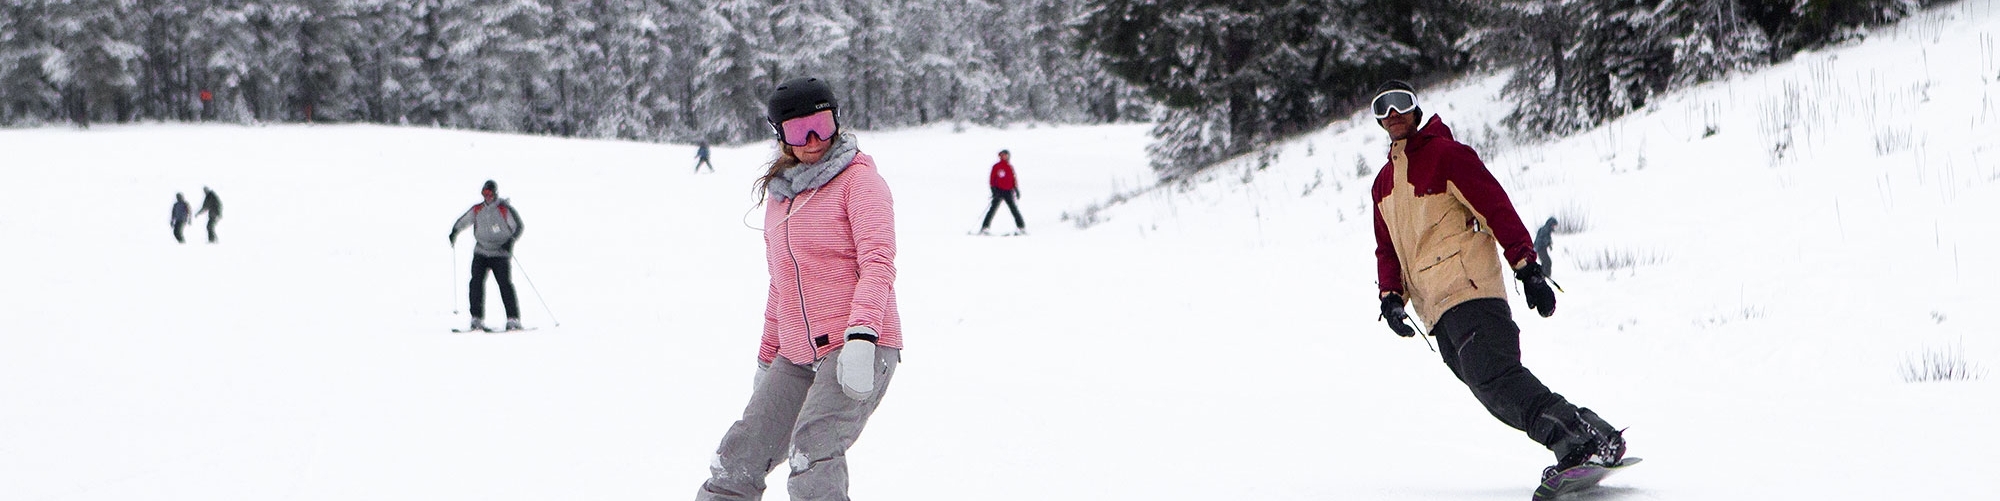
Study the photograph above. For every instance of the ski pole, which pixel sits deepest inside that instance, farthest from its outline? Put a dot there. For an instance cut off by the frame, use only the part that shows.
(452, 291)
(1426, 338)
(538, 290)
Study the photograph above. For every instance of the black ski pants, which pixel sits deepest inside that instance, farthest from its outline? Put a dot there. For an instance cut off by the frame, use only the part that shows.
(502, 273)
(177, 233)
(1000, 195)
(1481, 344)
(211, 227)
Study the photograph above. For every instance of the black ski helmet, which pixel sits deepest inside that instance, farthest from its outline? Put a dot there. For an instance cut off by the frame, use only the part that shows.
(490, 186)
(799, 97)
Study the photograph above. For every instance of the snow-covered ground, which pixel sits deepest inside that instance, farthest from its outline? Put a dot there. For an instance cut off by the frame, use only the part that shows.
(1213, 340)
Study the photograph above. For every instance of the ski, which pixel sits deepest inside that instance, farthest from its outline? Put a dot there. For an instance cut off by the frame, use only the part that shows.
(492, 330)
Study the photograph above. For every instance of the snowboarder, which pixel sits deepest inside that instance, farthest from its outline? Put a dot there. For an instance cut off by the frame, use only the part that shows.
(1005, 189)
(211, 205)
(1438, 216)
(1544, 238)
(180, 217)
(701, 157)
(497, 226)
(832, 337)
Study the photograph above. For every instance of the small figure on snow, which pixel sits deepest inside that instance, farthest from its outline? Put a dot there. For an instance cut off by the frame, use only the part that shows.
(701, 157)
(179, 219)
(1438, 216)
(1005, 189)
(832, 337)
(1544, 238)
(211, 205)
(496, 226)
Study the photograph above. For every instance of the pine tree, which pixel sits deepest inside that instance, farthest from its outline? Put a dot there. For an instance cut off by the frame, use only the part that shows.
(1708, 38)
(1263, 69)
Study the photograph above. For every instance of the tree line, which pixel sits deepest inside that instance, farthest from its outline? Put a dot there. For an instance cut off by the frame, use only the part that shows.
(1236, 74)
(1217, 77)
(674, 70)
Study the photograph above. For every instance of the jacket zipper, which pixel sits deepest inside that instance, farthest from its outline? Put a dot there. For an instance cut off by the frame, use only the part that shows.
(798, 280)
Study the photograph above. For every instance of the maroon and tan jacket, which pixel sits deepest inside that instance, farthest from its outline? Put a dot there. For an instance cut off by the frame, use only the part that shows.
(1438, 214)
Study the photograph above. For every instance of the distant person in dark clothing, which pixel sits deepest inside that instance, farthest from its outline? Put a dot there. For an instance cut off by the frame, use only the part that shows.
(180, 217)
(1543, 239)
(497, 226)
(1005, 189)
(211, 205)
(701, 157)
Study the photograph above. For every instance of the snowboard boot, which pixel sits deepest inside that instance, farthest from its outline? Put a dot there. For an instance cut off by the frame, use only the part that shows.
(513, 324)
(1591, 441)
(477, 325)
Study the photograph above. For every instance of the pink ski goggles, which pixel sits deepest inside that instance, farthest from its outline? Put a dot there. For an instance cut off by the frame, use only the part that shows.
(798, 131)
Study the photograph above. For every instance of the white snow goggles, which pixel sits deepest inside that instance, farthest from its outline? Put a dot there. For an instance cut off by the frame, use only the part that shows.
(1397, 100)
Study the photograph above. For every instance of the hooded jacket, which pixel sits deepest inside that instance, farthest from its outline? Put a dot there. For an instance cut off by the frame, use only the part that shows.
(1438, 215)
(831, 251)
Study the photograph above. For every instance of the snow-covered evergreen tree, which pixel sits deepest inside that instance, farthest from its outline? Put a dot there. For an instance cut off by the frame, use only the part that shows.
(659, 69)
(1244, 73)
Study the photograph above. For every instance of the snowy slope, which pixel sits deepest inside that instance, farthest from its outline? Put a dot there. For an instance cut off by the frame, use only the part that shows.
(1215, 340)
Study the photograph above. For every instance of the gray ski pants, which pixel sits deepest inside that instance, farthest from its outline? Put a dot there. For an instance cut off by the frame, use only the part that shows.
(801, 407)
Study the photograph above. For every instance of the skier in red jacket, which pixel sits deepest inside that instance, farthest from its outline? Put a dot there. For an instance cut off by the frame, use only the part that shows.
(1004, 190)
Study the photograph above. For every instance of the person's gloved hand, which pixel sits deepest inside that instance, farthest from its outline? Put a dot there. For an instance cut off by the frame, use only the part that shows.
(758, 382)
(454, 239)
(1017, 193)
(1392, 312)
(509, 246)
(1535, 285)
(857, 363)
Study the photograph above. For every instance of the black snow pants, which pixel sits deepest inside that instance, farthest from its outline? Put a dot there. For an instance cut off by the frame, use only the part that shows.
(177, 233)
(211, 227)
(501, 273)
(1481, 344)
(1000, 195)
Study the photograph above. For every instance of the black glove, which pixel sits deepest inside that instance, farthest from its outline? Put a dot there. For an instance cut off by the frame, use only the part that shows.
(1392, 312)
(509, 246)
(1535, 285)
(1017, 193)
(454, 239)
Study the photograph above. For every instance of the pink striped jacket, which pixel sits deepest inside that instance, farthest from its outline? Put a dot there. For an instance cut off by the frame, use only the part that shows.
(832, 255)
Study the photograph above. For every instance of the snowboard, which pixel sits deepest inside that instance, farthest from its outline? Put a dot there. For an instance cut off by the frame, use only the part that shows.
(1577, 479)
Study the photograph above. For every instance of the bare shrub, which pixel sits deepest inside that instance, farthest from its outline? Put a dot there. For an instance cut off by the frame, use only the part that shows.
(1941, 364)
(1618, 259)
(1571, 219)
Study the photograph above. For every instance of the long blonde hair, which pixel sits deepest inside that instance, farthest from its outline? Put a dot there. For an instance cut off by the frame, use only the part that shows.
(786, 160)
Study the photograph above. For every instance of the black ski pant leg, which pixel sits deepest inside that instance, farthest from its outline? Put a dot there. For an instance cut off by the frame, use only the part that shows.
(177, 235)
(1009, 197)
(211, 227)
(1480, 342)
(990, 209)
(504, 274)
(999, 196)
(478, 286)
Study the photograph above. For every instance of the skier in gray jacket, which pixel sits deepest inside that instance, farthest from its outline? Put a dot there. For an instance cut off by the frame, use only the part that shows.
(496, 226)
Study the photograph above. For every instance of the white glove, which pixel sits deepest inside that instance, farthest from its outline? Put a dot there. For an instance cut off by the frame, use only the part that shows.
(857, 363)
